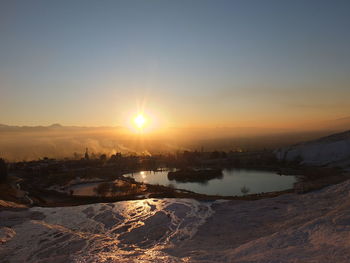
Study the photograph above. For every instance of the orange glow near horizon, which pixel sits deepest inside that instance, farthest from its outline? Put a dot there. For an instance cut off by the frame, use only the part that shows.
(142, 122)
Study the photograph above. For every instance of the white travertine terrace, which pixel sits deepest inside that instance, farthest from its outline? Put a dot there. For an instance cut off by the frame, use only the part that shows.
(313, 227)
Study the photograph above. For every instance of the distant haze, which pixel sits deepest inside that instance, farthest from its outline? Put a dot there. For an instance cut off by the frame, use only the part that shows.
(56, 141)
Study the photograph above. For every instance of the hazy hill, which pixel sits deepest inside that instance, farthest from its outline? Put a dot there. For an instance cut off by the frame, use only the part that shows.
(330, 150)
(342, 124)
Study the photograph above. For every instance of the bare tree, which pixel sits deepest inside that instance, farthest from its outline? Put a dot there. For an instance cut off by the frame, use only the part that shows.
(245, 190)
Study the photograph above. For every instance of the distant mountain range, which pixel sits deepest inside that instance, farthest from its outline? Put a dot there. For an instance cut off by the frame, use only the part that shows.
(336, 125)
(55, 126)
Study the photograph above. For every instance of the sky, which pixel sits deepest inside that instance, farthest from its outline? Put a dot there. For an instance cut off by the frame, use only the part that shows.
(185, 63)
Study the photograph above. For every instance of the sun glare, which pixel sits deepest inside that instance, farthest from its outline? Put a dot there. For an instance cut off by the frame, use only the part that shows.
(140, 121)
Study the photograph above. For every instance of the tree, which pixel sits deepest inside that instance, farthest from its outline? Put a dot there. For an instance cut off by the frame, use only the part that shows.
(103, 157)
(87, 154)
(245, 190)
(3, 170)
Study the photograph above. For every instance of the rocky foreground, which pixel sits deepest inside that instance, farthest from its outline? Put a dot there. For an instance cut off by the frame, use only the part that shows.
(313, 227)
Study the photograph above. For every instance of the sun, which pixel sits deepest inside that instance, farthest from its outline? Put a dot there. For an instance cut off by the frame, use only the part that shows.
(140, 121)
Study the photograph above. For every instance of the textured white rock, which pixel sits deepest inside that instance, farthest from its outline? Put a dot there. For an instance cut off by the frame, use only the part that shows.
(334, 150)
(313, 227)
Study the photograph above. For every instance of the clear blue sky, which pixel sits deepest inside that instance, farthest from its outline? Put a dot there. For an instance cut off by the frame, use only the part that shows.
(192, 62)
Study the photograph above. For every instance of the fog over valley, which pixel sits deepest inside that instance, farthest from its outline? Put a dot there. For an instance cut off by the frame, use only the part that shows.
(19, 143)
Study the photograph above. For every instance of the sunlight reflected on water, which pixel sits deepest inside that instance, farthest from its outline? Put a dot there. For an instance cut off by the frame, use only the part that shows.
(230, 183)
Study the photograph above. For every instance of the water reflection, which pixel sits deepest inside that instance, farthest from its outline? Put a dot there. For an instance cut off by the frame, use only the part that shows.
(230, 182)
(108, 189)
(233, 182)
(199, 176)
(143, 175)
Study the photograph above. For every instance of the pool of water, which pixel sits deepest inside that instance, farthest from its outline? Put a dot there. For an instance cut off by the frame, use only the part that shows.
(89, 189)
(85, 189)
(232, 182)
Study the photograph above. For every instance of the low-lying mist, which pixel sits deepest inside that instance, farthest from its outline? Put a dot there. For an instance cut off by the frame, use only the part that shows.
(56, 141)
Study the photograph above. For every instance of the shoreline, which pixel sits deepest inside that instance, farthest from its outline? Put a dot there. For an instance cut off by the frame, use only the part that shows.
(48, 198)
(43, 196)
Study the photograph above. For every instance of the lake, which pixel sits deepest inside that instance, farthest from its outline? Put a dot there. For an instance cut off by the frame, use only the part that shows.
(230, 183)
